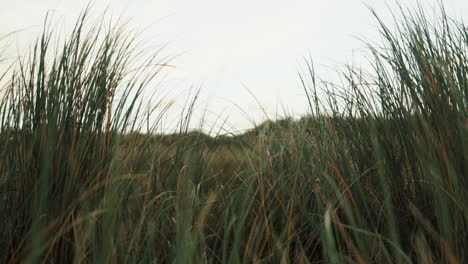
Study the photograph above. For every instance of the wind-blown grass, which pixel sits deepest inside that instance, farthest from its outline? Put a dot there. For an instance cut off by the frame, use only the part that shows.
(380, 177)
(61, 116)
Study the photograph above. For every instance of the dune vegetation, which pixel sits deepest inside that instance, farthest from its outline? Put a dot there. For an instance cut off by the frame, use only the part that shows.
(376, 172)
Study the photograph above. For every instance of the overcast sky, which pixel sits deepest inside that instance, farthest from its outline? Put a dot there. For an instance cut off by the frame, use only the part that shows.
(230, 47)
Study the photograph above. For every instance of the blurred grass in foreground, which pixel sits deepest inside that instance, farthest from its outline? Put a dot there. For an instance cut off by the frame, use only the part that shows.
(380, 177)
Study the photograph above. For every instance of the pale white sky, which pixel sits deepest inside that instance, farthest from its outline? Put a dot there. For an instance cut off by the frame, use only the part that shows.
(226, 46)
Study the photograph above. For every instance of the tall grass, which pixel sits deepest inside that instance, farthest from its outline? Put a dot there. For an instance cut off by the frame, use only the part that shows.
(63, 113)
(377, 177)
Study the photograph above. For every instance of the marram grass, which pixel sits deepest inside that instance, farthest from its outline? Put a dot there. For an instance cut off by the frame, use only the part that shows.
(380, 176)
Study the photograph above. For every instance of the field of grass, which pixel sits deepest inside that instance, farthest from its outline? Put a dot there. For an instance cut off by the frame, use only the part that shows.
(377, 172)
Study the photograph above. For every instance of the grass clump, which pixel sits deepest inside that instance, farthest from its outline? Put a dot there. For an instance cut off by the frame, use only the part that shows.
(61, 115)
(378, 177)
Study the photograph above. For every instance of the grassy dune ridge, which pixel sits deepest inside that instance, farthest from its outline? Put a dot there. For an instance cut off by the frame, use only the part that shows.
(378, 177)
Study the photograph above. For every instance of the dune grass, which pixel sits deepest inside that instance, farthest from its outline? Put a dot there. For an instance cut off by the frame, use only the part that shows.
(378, 177)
